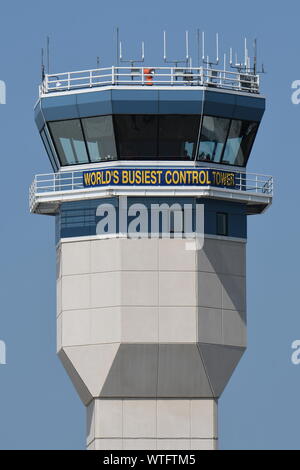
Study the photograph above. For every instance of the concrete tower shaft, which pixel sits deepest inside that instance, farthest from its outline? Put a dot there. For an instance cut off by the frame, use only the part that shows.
(147, 325)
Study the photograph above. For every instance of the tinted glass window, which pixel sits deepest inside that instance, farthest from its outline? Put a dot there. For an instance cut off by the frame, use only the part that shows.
(178, 136)
(69, 141)
(239, 143)
(213, 136)
(222, 223)
(136, 136)
(48, 149)
(99, 135)
(146, 137)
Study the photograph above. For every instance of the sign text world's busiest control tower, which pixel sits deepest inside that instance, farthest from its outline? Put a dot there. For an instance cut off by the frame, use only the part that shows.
(150, 197)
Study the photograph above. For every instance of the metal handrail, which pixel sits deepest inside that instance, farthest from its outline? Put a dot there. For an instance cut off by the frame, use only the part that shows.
(161, 76)
(53, 183)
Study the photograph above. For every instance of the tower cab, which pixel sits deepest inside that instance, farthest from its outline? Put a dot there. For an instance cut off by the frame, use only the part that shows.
(182, 120)
(116, 117)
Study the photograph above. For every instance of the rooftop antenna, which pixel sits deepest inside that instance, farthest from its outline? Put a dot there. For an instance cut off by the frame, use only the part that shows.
(255, 56)
(198, 47)
(205, 59)
(98, 62)
(118, 45)
(236, 65)
(246, 65)
(48, 55)
(247, 62)
(255, 71)
(42, 64)
(185, 61)
(131, 61)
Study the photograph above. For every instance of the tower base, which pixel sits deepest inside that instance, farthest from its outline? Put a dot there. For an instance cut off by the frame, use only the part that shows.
(147, 424)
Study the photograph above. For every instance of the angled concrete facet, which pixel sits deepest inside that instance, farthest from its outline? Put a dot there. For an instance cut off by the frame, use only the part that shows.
(219, 362)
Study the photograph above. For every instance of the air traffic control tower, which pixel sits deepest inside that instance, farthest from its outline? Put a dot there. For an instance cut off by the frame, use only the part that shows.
(150, 197)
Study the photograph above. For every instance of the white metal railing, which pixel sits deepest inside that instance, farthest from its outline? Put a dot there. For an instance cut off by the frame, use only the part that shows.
(67, 181)
(148, 76)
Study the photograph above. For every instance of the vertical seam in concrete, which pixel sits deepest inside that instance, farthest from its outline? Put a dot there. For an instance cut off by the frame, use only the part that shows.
(196, 261)
(190, 412)
(216, 417)
(158, 339)
(122, 423)
(205, 370)
(156, 421)
(222, 310)
(158, 314)
(90, 287)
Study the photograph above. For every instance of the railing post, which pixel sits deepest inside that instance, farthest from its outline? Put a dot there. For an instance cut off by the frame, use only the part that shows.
(143, 76)
(113, 75)
(91, 79)
(172, 75)
(69, 80)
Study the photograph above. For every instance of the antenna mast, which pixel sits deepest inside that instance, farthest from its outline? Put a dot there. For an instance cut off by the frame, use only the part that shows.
(130, 61)
(205, 59)
(48, 55)
(42, 64)
(185, 61)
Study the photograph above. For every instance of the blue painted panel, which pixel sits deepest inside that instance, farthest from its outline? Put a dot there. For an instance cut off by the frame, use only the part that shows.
(187, 101)
(219, 104)
(237, 218)
(237, 225)
(145, 101)
(79, 218)
(57, 108)
(94, 103)
(249, 108)
(38, 116)
(135, 101)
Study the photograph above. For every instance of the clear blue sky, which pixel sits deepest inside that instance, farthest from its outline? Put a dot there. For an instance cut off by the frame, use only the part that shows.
(39, 408)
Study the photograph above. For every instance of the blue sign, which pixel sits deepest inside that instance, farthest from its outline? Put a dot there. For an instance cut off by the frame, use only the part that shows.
(159, 177)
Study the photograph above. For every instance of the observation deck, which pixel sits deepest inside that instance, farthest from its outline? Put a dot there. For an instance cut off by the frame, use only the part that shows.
(48, 191)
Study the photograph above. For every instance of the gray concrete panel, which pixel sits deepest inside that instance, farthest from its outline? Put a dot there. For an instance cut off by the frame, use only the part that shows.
(210, 325)
(233, 292)
(133, 372)
(76, 380)
(219, 362)
(181, 372)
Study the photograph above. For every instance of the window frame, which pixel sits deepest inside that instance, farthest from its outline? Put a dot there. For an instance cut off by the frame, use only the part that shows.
(46, 143)
(55, 146)
(218, 232)
(86, 139)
